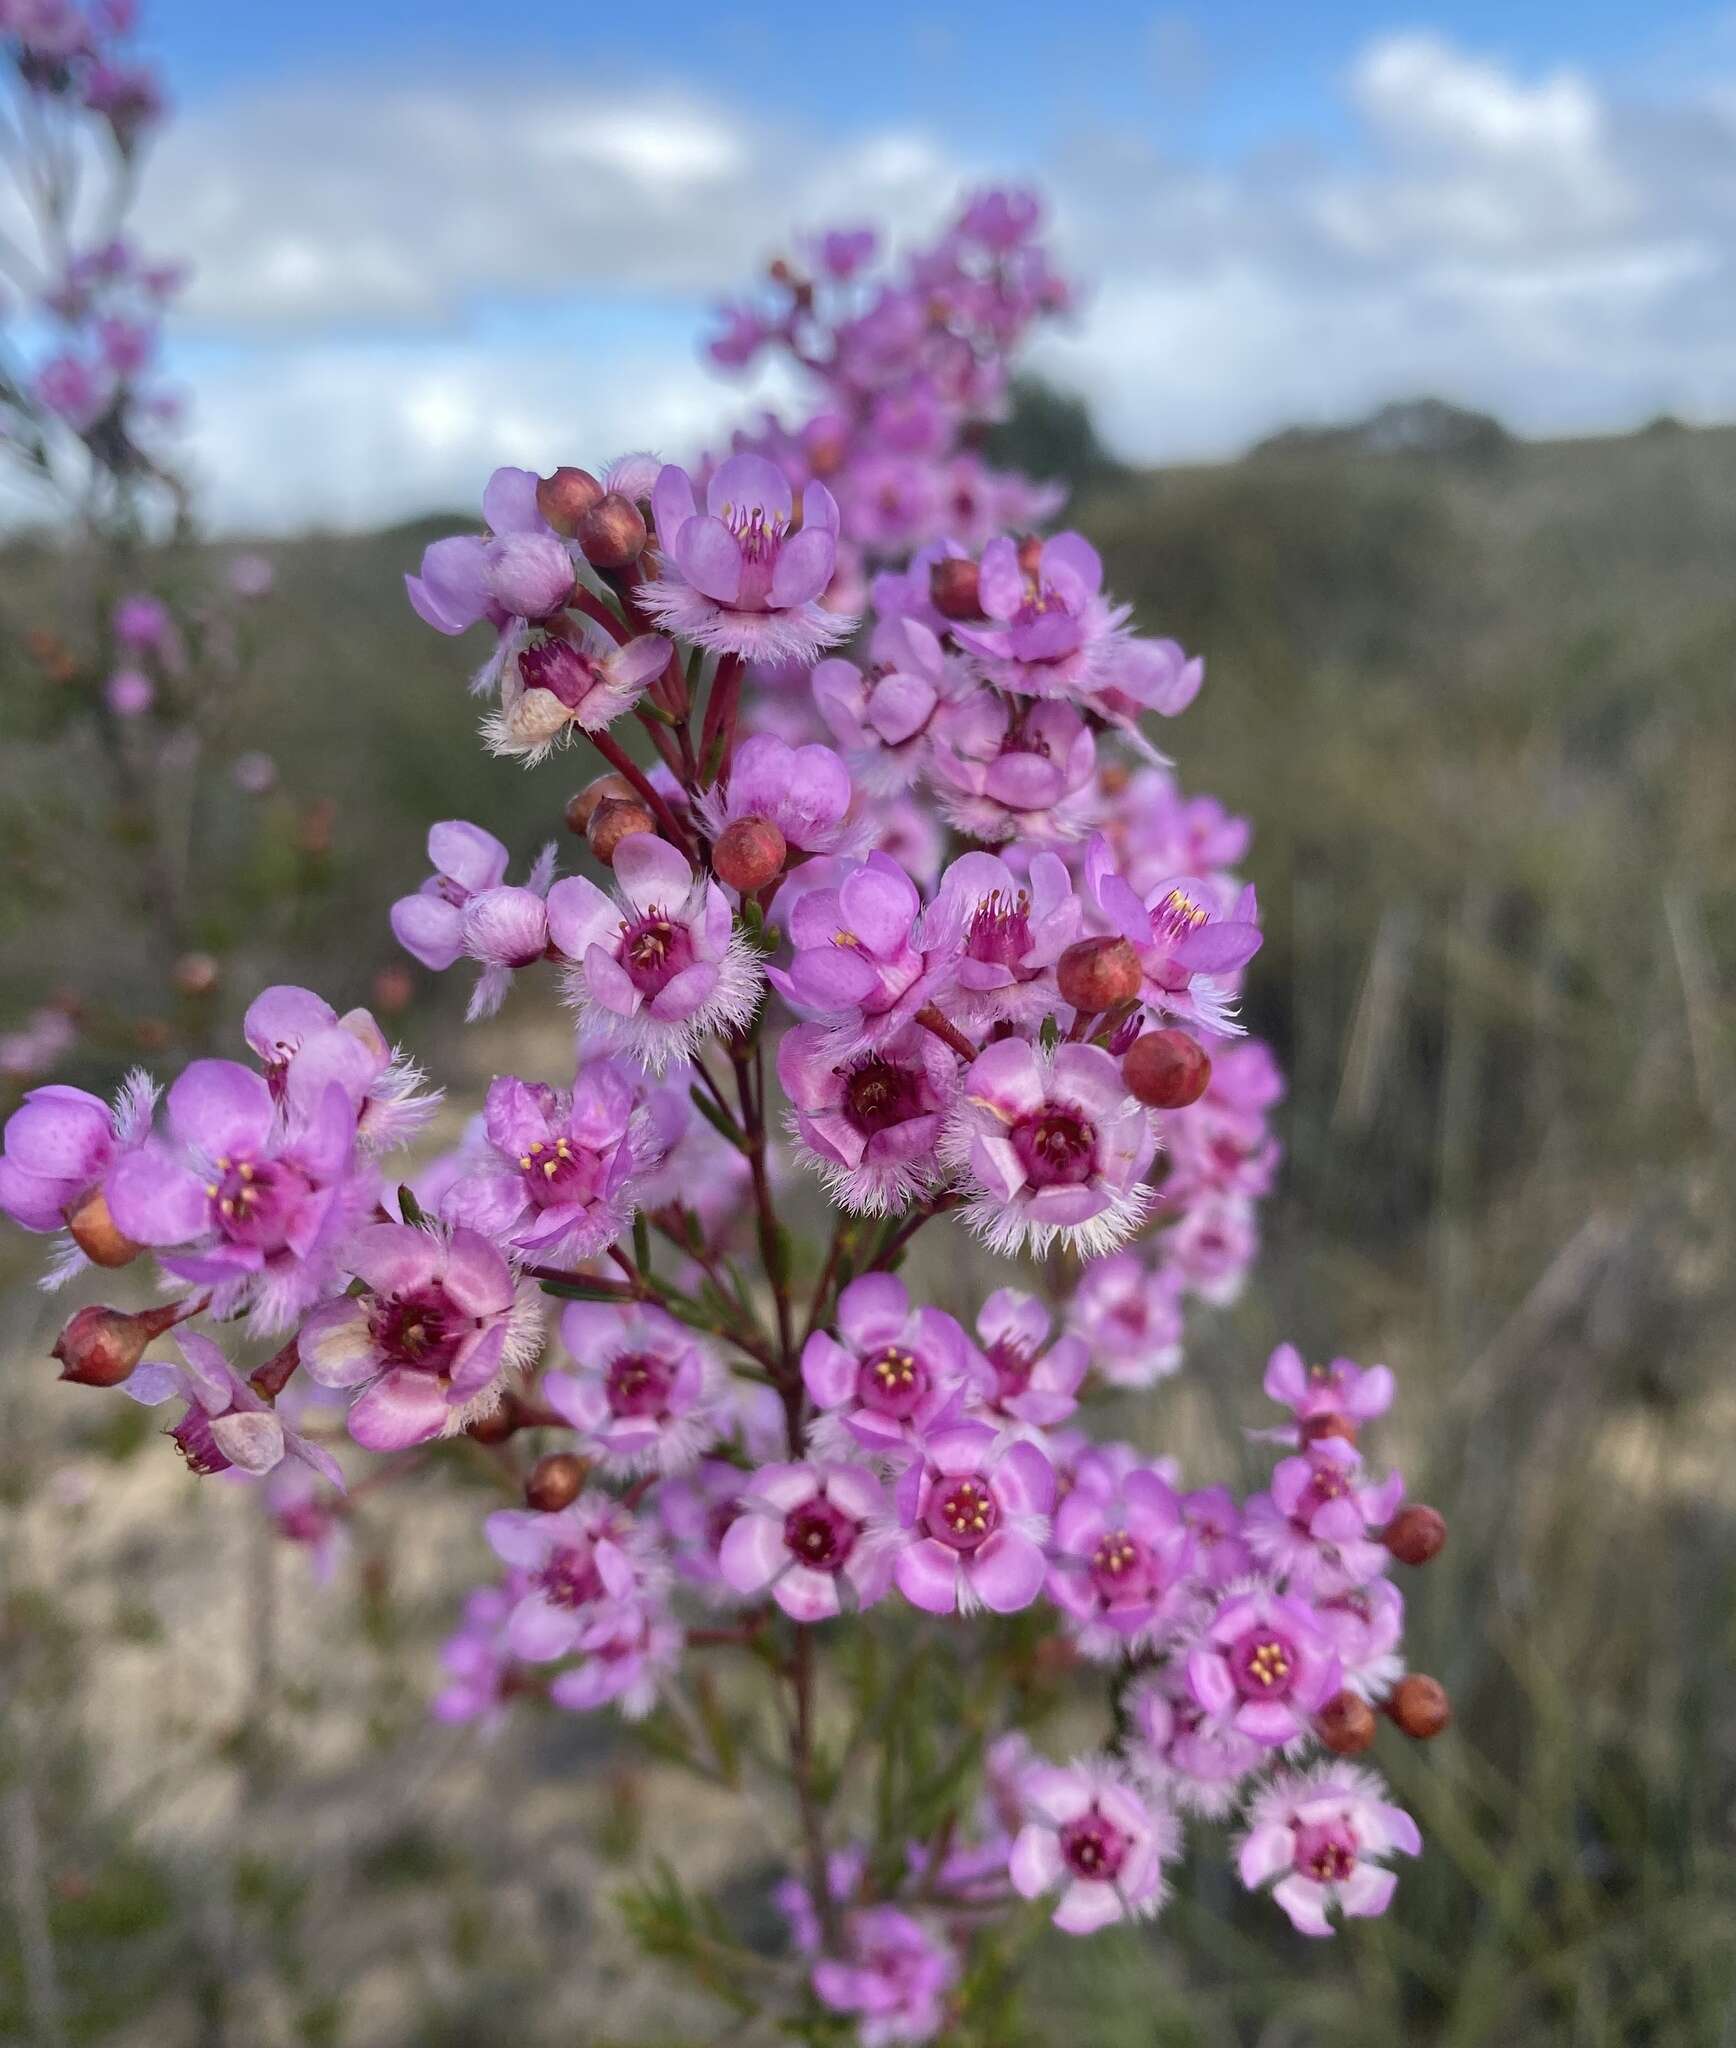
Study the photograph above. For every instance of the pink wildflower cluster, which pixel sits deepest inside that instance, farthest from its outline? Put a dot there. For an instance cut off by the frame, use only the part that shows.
(934, 888)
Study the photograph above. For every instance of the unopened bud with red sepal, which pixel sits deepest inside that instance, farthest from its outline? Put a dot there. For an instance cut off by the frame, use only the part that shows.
(611, 535)
(555, 1482)
(99, 1347)
(1346, 1724)
(1098, 974)
(564, 498)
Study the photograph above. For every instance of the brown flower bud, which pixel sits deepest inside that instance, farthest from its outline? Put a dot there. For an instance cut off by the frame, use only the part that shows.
(616, 818)
(564, 498)
(100, 1346)
(152, 1034)
(749, 854)
(95, 1233)
(1415, 1534)
(580, 807)
(1097, 974)
(1346, 1724)
(554, 1482)
(1166, 1069)
(1420, 1706)
(196, 974)
(612, 532)
(954, 583)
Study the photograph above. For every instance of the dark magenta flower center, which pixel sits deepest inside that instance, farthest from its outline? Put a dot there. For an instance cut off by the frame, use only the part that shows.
(559, 1173)
(654, 950)
(1013, 1365)
(253, 1201)
(639, 1385)
(893, 1381)
(422, 1329)
(1325, 1851)
(963, 1513)
(1057, 1147)
(1000, 929)
(879, 1096)
(820, 1535)
(1120, 1565)
(1093, 1847)
(570, 1579)
(557, 666)
(1263, 1665)
(192, 1437)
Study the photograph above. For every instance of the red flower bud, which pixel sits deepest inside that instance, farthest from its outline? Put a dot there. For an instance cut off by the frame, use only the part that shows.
(555, 1482)
(612, 533)
(564, 498)
(394, 987)
(1346, 1724)
(1415, 1534)
(1166, 1070)
(1098, 974)
(1420, 1706)
(100, 1346)
(616, 818)
(954, 584)
(94, 1232)
(749, 854)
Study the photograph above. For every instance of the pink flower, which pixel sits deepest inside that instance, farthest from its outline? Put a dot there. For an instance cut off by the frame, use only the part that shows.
(1189, 953)
(1221, 1553)
(897, 1373)
(1319, 1525)
(975, 1512)
(466, 907)
(1264, 1666)
(1091, 1839)
(870, 1121)
(224, 1425)
(1048, 624)
(893, 1977)
(735, 578)
(1197, 1763)
(1120, 1557)
(659, 966)
(1365, 1625)
(519, 569)
(1049, 1145)
(253, 1205)
(1325, 1835)
(555, 1176)
(882, 718)
(573, 678)
(60, 1146)
(1343, 1392)
(645, 1394)
(567, 1566)
(1021, 1381)
(441, 1332)
(1000, 938)
(1004, 770)
(477, 1662)
(627, 1649)
(1129, 1315)
(810, 1535)
(803, 791)
(856, 968)
(129, 693)
(305, 1047)
(695, 1510)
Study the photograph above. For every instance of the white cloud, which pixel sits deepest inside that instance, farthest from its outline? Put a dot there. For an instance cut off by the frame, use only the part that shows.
(402, 283)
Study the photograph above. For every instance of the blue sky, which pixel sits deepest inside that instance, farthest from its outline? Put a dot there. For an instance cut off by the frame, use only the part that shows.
(430, 236)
